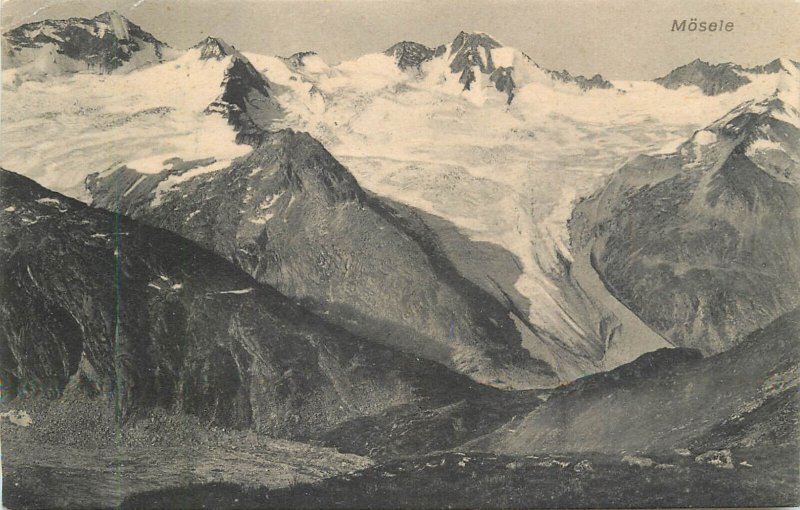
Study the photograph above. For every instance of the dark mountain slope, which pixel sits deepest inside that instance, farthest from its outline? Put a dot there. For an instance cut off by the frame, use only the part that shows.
(291, 216)
(714, 79)
(743, 398)
(103, 44)
(704, 244)
(595, 82)
(411, 55)
(99, 304)
(246, 99)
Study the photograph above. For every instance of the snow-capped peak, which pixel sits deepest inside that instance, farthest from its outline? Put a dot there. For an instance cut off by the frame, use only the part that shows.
(212, 47)
(117, 22)
(473, 49)
(473, 40)
(789, 65)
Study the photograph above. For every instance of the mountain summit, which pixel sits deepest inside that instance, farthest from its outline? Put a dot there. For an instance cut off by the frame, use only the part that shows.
(103, 44)
(246, 97)
(411, 54)
(212, 47)
(715, 79)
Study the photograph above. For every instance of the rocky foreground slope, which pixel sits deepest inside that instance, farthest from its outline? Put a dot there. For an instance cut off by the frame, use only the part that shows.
(746, 397)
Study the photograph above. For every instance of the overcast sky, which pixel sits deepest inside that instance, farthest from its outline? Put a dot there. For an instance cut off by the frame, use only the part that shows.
(617, 38)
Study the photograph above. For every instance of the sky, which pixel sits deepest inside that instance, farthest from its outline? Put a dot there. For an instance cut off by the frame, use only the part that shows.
(620, 39)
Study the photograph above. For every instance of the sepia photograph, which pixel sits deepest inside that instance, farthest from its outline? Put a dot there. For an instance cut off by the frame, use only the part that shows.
(380, 254)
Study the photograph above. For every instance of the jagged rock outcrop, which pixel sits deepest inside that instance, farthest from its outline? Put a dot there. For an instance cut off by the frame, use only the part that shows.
(409, 54)
(214, 48)
(246, 99)
(745, 397)
(595, 82)
(296, 60)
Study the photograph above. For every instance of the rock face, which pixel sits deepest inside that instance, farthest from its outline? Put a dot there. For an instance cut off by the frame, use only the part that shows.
(595, 82)
(703, 244)
(246, 100)
(478, 60)
(97, 303)
(214, 48)
(291, 216)
(714, 79)
(412, 55)
(103, 44)
(674, 399)
(473, 52)
(297, 60)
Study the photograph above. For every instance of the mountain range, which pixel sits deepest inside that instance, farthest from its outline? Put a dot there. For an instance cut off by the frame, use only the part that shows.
(427, 257)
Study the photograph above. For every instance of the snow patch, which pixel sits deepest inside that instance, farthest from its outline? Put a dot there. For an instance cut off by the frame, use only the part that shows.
(262, 219)
(48, 201)
(138, 181)
(139, 119)
(119, 26)
(172, 181)
(240, 291)
(503, 57)
(763, 144)
(17, 417)
(705, 137)
(634, 460)
(717, 458)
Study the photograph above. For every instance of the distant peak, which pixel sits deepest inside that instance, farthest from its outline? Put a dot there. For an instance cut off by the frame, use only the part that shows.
(214, 48)
(411, 54)
(302, 54)
(118, 23)
(406, 45)
(473, 40)
(105, 16)
(777, 65)
(296, 60)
